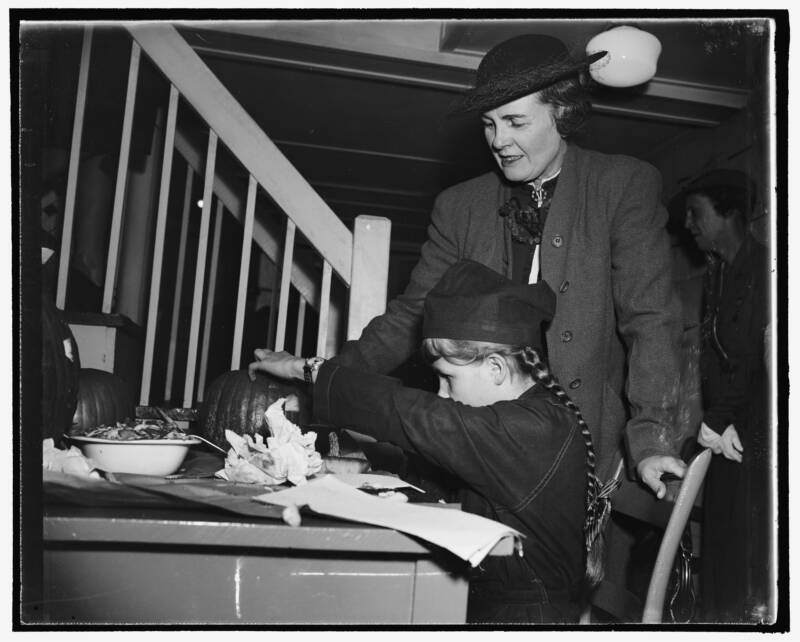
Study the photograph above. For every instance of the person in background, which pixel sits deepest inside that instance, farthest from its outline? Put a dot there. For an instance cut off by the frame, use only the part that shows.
(501, 424)
(738, 517)
(592, 226)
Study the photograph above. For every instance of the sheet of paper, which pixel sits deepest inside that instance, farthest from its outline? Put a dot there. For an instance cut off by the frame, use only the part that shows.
(371, 480)
(471, 537)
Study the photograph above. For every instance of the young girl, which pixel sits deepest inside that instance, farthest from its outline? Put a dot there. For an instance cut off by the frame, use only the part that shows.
(501, 423)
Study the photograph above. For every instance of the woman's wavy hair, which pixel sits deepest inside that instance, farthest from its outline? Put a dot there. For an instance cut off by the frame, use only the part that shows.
(570, 100)
(527, 360)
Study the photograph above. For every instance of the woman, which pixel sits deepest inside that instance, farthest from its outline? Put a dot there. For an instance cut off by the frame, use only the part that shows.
(590, 224)
(501, 424)
(738, 518)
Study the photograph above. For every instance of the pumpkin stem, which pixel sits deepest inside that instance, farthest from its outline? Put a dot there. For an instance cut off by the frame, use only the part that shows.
(333, 440)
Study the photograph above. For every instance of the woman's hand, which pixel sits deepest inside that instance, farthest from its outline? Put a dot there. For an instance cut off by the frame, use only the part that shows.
(651, 468)
(727, 444)
(279, 364)
(731, 445)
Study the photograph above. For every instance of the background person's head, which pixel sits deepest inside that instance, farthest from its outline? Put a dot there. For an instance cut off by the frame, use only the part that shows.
(530, 94)
(717, 206)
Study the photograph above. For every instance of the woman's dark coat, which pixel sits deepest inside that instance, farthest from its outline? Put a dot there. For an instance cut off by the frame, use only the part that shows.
(606, 254)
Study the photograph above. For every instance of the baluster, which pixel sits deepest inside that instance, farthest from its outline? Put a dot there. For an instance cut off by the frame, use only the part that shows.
(301, 322)
(72, 171)
(369, 280)
(286, 282)
(122, 177)
(244, 274)
(273, 302)
(212, 287)
(200, 270)
(176, 304)
(158, 247)
(324, 310)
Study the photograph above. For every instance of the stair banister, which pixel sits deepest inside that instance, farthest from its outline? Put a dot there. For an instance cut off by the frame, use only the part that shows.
(247, 141)
(344, 252)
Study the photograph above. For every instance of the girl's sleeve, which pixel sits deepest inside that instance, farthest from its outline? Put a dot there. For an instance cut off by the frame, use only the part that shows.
(498, 449)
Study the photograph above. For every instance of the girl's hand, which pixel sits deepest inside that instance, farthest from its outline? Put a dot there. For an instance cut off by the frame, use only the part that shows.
(279, 364)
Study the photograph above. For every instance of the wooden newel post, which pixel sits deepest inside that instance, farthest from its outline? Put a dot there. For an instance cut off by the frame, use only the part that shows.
(370, 272)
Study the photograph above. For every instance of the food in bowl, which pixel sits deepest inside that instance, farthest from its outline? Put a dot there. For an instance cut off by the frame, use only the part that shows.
(144, 448)
(129, 431)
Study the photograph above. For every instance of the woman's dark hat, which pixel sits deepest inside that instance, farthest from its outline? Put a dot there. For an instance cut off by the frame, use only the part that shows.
(729, 178)
(472, 302)
(518, 67)
(738, 183)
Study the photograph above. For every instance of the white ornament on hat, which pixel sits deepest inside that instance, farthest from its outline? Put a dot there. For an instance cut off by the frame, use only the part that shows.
(631, 56)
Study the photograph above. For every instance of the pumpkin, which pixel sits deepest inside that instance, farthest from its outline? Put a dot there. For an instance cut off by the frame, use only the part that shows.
(234, 402)
(103, 398)
(60, 367)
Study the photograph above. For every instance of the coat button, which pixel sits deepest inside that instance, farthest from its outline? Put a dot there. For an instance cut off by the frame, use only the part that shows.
(557, 241)
(575, 384)
(566, 336)
(564, 286)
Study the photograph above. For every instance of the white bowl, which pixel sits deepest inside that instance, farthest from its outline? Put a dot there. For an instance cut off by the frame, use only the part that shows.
(157, 457)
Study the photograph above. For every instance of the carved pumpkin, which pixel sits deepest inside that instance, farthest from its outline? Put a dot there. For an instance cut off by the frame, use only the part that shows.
(234, 402)
(60, 366)
(103, 398)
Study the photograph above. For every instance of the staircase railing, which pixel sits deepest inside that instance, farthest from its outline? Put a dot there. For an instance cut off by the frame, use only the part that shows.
(358, 258)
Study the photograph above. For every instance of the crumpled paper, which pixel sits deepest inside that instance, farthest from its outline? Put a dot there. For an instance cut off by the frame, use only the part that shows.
(287, 455)
(71, 462)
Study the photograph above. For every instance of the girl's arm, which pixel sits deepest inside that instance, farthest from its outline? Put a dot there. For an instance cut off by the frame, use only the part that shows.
(504, 450)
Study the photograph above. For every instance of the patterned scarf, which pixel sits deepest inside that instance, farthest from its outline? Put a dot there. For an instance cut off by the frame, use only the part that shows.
(526, 211)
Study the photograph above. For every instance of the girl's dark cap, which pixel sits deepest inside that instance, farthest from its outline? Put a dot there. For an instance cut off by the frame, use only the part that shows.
(472, 302)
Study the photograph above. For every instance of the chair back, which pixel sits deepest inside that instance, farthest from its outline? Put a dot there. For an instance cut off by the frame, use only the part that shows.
(690, 487)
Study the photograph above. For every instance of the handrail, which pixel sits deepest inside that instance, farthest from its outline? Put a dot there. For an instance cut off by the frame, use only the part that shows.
(247, 141)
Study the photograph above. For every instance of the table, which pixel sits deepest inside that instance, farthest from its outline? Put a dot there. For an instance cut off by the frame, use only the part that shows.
(154, 566)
